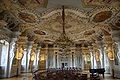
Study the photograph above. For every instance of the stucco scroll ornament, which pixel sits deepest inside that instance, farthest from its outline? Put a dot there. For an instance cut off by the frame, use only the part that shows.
(3, 23)
(110, 53)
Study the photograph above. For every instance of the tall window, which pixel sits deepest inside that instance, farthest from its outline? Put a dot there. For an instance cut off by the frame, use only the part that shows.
(4, 53)
(24, 58)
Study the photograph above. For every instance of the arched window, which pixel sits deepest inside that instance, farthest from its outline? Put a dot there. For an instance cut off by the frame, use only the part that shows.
(4, 46)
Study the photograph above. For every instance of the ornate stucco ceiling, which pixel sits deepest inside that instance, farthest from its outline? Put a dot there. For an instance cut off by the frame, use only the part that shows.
(85, 19)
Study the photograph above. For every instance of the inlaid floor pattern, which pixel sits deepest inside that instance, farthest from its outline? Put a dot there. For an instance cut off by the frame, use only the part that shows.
(28, 76)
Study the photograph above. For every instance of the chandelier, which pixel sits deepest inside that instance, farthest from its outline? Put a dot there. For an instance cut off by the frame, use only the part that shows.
(63, 41)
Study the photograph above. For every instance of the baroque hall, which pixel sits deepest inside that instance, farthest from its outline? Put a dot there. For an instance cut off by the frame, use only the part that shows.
(59, 39)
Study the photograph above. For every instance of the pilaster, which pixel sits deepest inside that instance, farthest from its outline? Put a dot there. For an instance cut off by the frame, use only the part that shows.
(47, 66)
(11, 53)
(29, 49)
(37, 57)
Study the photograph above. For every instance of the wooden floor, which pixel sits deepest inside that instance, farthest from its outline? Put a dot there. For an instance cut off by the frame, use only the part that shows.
(28, 76)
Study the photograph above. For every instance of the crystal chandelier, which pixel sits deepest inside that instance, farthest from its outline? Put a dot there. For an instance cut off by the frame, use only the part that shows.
(63, 41)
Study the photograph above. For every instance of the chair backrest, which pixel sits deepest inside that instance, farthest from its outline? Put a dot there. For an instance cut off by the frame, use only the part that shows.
(92, 70)
(100, 71)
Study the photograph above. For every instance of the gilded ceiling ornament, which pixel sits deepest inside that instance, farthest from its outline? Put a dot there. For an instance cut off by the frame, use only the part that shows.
(89, 32)
(22, 39)
(31, 37)
(4, 37)
(81, 23)
(94, 3)
(118, 23)
(48, 41)
(73, 26)
(5, 34)
(24, 27)
(33, 3)
(102, 16)
(108, 39)
(115, 22)
(34, 46)
(3, 23)
(38, 41)
(39, 32)
(85, 50)
(27, 17)
(107, 12)
(75, 12)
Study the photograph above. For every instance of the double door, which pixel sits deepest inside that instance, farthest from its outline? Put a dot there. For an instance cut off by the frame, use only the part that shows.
(64, 65)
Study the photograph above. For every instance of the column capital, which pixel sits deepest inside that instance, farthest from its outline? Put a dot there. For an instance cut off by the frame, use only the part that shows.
(22, 39)
(115, 32)
(38, 47)
(116, 35)
(100, 44)
(116, 38)
(90, 48)
(34, 46)
(13, 40)
(30, 43)
(16, 34)
(31, 37)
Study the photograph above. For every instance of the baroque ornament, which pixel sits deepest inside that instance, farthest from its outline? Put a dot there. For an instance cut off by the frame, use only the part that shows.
(102, 16)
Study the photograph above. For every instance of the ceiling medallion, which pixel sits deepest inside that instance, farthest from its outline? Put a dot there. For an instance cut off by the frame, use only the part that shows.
(64, 41)
(102, 16)
(27, 17)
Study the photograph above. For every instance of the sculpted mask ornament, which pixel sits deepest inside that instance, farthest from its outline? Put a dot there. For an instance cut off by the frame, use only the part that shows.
(19, 53)
(97, 56)
(33, 56)
(88, 57)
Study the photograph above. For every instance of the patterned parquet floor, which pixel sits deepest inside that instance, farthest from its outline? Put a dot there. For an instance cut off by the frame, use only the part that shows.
(28, 76)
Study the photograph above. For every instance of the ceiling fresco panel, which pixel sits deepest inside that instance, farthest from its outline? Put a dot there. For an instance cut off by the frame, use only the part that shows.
(102, 16)
(94, 3)
(33, 3)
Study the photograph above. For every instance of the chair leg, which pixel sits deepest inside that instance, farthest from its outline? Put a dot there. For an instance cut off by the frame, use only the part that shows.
(103, 75)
